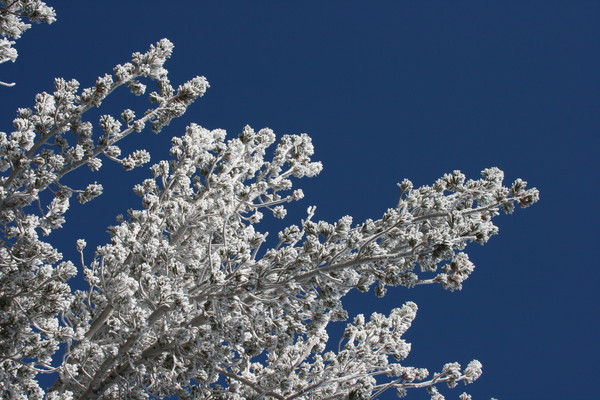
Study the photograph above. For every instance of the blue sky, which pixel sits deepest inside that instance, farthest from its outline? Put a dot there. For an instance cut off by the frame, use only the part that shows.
(390, 90)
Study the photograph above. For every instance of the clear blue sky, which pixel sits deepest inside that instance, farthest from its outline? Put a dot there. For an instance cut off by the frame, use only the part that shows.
(388, 90)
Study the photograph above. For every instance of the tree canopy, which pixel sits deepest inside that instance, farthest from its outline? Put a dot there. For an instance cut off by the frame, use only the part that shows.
(189, 298)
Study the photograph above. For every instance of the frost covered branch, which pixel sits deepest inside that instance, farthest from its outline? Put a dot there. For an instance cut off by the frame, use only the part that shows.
(191, 253)
(12, 25)
(189, 298)
(50, 141)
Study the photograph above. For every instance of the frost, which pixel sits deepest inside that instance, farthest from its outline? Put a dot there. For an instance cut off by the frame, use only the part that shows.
(185, 299)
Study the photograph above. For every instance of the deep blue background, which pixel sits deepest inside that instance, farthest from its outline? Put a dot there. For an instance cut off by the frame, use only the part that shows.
(388, 90)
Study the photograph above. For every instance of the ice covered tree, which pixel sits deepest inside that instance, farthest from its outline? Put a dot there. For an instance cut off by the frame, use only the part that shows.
(188, 298)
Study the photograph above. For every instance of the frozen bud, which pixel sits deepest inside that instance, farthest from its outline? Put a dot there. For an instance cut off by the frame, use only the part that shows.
(127, 116)
(279, 212)
(298, 194)
(290, 234)
(452, 372)
(192, 89)
(256, 217)
(518, 187)
(7, 52)
(265, 137)
(123, 72)
(66, 270)
(405, 186)
(493, 175)
(91, 191)
(532, 196)
(66, 395)
(137, 88)
(95, 164)
(359, 320)
(113, 151)
(139, 125)
(435, 394)
(508, 208)
(473, 371)
(160, 169)
(81, 245)
(110, 125)
(135, 159)
(247, 134)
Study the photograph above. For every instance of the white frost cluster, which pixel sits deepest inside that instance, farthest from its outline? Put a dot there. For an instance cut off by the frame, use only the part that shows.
(12, 24)
(184, 300)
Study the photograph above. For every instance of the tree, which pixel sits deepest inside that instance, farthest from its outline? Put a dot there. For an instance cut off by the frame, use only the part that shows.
(185, 300)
